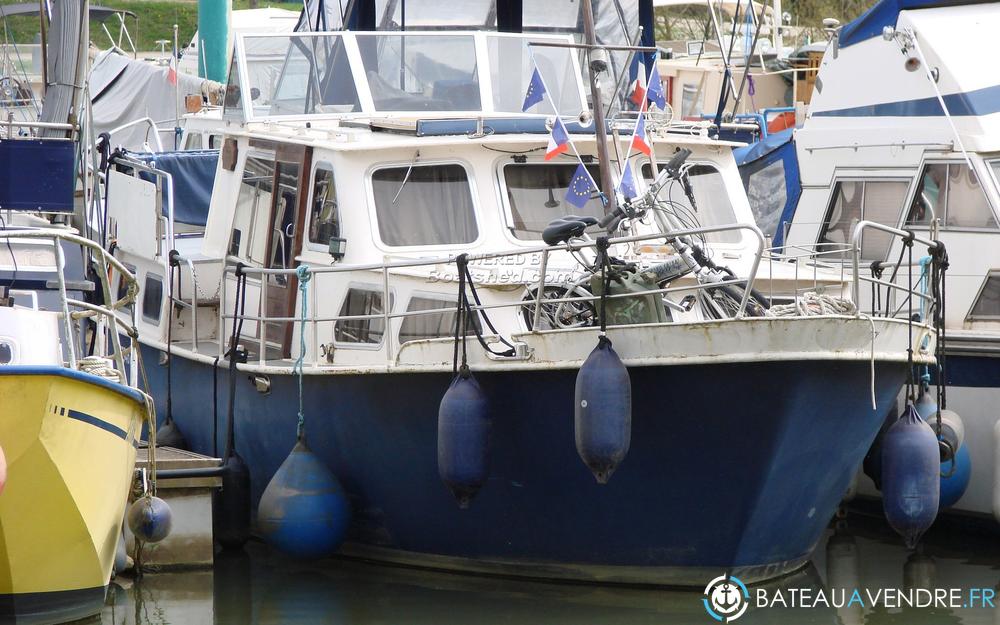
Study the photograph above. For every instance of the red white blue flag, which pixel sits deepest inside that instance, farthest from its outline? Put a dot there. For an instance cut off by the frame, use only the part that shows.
(558, 140)
(639, 141)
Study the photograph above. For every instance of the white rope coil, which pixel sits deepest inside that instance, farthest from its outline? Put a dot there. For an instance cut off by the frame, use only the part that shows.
(813, 303)
(101, 367)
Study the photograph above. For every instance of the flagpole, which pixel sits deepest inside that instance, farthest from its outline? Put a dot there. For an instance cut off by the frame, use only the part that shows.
(600, 130)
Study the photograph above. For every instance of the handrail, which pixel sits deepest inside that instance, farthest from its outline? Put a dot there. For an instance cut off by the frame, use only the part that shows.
(142, 120)
(233, 264)
(856, 245)
(105, 313)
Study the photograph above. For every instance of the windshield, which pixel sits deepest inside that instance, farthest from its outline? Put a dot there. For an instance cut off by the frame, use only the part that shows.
(345, 73)
(995, 165)
(714, 206)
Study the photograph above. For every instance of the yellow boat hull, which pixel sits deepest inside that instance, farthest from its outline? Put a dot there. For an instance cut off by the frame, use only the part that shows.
(70, 440)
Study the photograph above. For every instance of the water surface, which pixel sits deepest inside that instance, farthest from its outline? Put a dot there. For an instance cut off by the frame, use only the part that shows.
(260, 587)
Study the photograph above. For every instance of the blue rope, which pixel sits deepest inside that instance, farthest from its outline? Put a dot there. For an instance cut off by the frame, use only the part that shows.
(304, 276)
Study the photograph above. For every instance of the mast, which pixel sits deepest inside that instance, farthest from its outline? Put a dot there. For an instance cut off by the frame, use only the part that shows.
(607, 182)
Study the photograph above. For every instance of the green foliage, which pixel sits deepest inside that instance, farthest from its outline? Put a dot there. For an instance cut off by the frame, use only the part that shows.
(156, 19)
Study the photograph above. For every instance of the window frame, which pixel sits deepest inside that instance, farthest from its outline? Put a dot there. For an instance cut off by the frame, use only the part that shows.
(149, 275)
(362, 286)
(901, 212)
(741, 233)
(969, 316)
(944, 227)
(503, 197)
(438, 297)
(307, 240)
(373, 211)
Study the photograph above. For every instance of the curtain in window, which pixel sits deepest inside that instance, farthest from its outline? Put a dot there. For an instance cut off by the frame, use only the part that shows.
(424, 205)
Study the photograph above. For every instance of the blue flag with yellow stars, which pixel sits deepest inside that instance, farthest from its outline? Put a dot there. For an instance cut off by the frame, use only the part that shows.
(580, 187)
(536, 92)
(627, 185)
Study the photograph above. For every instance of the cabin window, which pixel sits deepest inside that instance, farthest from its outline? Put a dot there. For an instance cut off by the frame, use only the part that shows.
(424, 205)
(214, 142)
(714, 205)
(193, 141)
(232, 99)
(987, 305)
(996, 172)
(324, 215)
(152, 298)
(253, 208)
(123, 283)
(433, 325)
(414, 73)
(768, 195)
(859, 200)
(282, 236)
(537, 195)
(952, 194)
(360, 302)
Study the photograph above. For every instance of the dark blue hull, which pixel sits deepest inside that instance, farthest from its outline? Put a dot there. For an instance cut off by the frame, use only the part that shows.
(732, 466)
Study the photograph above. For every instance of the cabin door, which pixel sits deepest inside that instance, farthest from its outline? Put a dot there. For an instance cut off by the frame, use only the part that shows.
(284, 241)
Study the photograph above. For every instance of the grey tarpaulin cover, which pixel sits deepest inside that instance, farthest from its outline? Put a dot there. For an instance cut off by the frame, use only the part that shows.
(124, 89)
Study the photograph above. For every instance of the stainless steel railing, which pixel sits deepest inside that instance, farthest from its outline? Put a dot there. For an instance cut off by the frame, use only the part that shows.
(72, 309)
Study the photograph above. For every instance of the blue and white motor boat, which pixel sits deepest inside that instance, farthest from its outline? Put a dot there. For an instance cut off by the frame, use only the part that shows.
(358, 172)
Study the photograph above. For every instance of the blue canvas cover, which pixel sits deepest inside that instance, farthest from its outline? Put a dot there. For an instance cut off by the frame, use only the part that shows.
(885, 13)
(770, 173)
(37, 175)
(193, 173)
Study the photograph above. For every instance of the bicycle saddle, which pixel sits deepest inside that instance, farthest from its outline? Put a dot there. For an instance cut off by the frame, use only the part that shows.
(565, 228)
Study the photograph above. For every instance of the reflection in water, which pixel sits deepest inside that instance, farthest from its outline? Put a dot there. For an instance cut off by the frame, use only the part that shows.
(261, 588)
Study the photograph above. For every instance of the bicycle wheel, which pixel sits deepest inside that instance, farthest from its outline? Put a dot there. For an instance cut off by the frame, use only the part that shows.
(559, 315)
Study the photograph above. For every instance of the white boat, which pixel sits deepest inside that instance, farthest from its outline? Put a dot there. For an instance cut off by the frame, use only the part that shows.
(903, 130)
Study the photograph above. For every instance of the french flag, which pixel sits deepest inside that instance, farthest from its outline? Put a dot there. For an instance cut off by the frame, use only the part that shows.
(558, 141)
(637, 79)
(639, 141)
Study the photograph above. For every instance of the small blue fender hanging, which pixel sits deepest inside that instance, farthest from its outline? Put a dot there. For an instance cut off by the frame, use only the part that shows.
(464, 427)
(150, 519)
(603, 413)
(911, 467)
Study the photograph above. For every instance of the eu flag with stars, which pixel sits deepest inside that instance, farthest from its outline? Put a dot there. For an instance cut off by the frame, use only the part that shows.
(627, 185)
(580, 187)
(655, 91)
(536, 92)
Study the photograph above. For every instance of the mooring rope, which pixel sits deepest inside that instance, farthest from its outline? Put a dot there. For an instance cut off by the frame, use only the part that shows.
(99, 366)
(302, 272)
(812, 304)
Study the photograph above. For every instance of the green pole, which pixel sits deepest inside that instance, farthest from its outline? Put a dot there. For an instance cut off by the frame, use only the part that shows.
(213, 38)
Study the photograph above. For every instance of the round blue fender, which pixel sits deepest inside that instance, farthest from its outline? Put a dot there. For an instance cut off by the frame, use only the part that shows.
(911, 465)
(464, 427)
(150, 519)
(955, 477)
(603, 415)
(304, 511)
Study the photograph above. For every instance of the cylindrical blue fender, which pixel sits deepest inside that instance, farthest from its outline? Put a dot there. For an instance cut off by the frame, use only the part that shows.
(603, 415)
(464, 427)
(911, 466)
